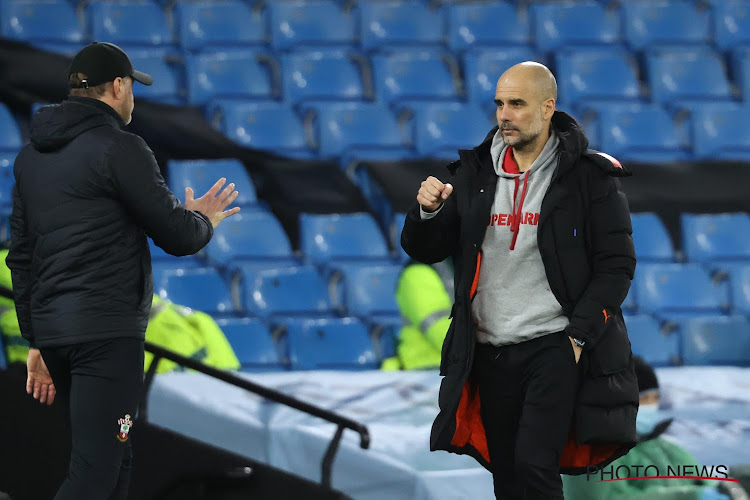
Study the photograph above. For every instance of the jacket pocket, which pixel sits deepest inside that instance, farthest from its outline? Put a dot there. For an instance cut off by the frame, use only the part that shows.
(612, 353)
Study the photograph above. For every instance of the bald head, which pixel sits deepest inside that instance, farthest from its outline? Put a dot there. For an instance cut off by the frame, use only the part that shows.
(531, 75)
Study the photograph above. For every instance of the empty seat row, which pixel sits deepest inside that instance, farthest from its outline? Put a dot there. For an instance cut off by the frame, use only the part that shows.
(197, 24)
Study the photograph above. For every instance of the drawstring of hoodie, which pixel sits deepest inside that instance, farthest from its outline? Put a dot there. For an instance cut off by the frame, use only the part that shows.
(517, 212)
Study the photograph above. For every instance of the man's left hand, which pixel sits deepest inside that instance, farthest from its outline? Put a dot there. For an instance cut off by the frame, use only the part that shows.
(576, 349)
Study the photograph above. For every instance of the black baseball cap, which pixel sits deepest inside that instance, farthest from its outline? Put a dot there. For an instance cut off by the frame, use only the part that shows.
(102, 62)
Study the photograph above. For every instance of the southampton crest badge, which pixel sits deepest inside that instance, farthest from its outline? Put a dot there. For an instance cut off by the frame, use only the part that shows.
(125, 425)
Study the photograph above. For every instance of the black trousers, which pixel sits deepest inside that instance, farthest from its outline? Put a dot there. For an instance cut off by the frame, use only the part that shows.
(101, 383)
(527, 392)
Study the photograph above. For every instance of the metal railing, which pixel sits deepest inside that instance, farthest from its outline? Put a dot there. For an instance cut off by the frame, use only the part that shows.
(269, 394)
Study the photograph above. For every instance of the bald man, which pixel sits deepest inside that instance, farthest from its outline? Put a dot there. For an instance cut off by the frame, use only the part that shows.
(539, 378)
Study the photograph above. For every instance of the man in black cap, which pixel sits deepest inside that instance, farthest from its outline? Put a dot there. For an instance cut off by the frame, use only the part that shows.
(87, 194)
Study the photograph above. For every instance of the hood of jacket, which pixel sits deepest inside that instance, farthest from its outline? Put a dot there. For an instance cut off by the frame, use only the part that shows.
(52, 127)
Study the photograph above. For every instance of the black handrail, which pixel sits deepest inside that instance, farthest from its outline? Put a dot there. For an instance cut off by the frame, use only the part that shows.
(270, 394)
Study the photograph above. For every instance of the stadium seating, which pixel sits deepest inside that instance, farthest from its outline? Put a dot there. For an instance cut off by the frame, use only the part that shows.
(169, 79)
(10, 135)
(251, 234)
(252, 343)
(483, 68)
(676, 75)
(203, 24)
(315, 344)
(658, 346)
(127, 23)
(716, 340)
(720, 133)
(6, 180)
(366, 289)
(740, 283)
(679, 288)
(741, 69)
(650, 24)
(476, 25)
(40, 21)
(268, 125)
(652, 242)
(285, 291)
(310, 22)
(443, 128)
(573, 24)
(711, 237)
(200, 289)
(396, 227)
(391, 22)
(597, 74)
(731, 23)
(416, 74)
(325, 74)
(324, 238)
(201, 175)
(236, 73)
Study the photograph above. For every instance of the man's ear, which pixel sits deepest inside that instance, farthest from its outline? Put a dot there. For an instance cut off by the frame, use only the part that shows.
(549, 108)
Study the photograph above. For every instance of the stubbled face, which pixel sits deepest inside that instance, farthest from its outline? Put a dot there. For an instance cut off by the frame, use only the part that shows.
(520, 113)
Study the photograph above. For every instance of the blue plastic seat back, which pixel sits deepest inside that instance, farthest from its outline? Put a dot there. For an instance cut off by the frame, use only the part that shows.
(127, 22)
(741, 69)
(597, 74)
(658, 347)
(575, 23)
(201, 175)
(652, 242)
(679, 288)
(483, 68)
(233, 73)
(169, 79)
(201, 288)
(319, 344)
(716, 340)
(443, 127)
(476, 25)
(252, 343)
(297, 290)
(731, 23)
(201, 24)
(321, 74)
(10, 134)
(341, 236)
(369, 288)
(711, 237)
(687, 74)
(317, 22)
(413, 74)
(396, 227)
(398, 23)
(720, 131)
(251, 234)
(41, 20)
(649, 23)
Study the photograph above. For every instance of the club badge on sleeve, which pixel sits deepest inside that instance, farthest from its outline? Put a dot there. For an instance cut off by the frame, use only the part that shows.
(125, 426)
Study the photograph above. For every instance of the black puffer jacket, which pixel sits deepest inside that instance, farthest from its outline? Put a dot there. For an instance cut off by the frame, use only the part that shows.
(590, 277)
(87, 193)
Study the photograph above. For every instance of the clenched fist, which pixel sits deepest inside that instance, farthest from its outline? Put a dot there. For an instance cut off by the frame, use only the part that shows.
(433, 193)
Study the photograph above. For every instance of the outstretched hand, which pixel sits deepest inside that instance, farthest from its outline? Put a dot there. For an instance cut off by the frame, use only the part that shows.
(39, 382)
(211, 205)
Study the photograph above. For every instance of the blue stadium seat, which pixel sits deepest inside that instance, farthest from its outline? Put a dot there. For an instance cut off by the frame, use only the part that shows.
(665, 22)
(476, 25)
(663, 288)
(295, 290)
(640, 132)
(398, 23)
(10, 134)
(443, 128)
(741, 70)
(202, 24)
(711, 237)
(687, 74)
(652, 242)
(252, 343)
(200, 289)
(251, 234)
(396, 227)
(319, 344)
(720, 132)
(356, 126)
(597, 74)
(128, 23)
(325, 74)
(202, 174)
(341, 236)
(731, 23)
(366, 289)
(236, 73)
(7, 180)
(304, 22)
(483, 68)
(574, 23)
(716, 340)
(740, 282)
(40, 20)
(658, 346)
(416, 74)
(266, 125)
(169, 79)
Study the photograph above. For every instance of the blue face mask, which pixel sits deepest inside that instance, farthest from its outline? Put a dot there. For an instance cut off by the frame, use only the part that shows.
(648, 417)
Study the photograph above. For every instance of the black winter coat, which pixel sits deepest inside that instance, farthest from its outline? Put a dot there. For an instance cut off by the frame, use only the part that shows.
(87, 193)
(589, 271)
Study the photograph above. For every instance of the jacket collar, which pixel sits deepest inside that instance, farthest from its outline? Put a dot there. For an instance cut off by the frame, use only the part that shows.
(102, 106)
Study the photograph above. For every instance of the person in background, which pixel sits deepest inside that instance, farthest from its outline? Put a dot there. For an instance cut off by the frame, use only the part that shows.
(652, 449)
